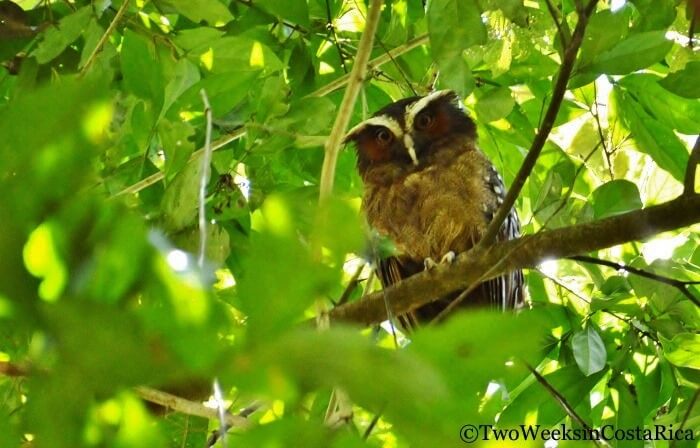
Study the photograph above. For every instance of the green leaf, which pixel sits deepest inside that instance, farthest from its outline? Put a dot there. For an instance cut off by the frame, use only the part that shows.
(295, 11)
(651, 137)
(495, 104)
(615, 197)
(683, 350)
(142, 77)
(213, 12)
(454, 26)
(184, 77)
(175, 137)
(179, 204)
(635, 52)
(56, 39)
(589, 351)
(686, 82)
(674, 111)
(568, 381)
(605, 29)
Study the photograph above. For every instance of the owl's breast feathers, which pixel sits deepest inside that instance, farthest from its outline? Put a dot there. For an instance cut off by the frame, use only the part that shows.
(444, 205)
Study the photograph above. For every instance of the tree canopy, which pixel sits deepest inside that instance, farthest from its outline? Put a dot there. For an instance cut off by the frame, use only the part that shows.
(181, 223)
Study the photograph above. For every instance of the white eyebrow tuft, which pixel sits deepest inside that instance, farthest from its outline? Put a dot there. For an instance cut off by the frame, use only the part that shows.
(421, 104)
(381, 120)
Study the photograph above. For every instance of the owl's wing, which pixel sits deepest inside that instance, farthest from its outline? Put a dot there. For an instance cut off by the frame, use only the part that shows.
(505, 292)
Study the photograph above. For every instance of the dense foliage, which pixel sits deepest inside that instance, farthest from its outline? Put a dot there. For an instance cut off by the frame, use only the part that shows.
(102, 127)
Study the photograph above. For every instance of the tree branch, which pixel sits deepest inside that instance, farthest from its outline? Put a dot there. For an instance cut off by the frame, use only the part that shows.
(157, 177)
(525, 252)
(374, 63)
(678, 284)
(188, 407)
(693, 161)
(105, 36)
(567, 66)
(561, 400)
(357, 77)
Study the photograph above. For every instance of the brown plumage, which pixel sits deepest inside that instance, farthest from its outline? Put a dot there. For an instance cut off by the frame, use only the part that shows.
(431, 191)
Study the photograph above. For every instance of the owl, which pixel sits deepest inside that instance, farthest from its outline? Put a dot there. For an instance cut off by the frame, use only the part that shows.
(429, 189)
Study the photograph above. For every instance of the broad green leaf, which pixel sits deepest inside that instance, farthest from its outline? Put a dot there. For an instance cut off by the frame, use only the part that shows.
(589, 351)
(674, 111)
(454, 26)
(615, 197)
(568, 381)
(605, 29)
(175, 137)
(295, 11)
(635, 52)
(56, 39)
(184, 76)
(179, 203)
(495, 104)
(686, 82)
(236, 54)
(650, 135)
(683, 350)
(141, 76)
(213, 12)
(192, 38)
(654, 14)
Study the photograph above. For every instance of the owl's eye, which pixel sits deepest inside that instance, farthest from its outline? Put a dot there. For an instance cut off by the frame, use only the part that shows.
(384, 137)
(424, 120)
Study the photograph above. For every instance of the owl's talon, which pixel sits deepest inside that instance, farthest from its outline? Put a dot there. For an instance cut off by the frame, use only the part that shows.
(429, 263)
(448, 258)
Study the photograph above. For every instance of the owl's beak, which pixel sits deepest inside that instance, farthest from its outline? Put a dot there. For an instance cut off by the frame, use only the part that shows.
(410, 147)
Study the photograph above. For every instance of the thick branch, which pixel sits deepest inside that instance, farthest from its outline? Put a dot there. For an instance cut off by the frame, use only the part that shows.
(567, 66)
(525, 252)
(693, 161)
(357, 76)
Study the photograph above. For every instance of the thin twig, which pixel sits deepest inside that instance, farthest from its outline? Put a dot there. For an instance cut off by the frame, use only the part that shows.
(606, 311)
(204, 181)
(374, 63)
(157, 177)
(556, 19)
(693, 161)
(567, 66)
(357, 76)
(352, 284)
(561, 400)
(680, 285)
(686, 416)
(183, 406)
(105, 36)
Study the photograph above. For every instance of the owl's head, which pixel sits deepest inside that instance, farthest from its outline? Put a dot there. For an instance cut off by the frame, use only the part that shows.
(410, 130)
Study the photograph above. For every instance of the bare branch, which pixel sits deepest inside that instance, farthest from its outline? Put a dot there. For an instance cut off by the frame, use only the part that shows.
(562, 401)
(105, 36)
(357, 77)
(678, 284)
(188, 407)
(567, 66)
(374, 63)
(693, 161)
(525, 252)
(157, 177)
(204, 181)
